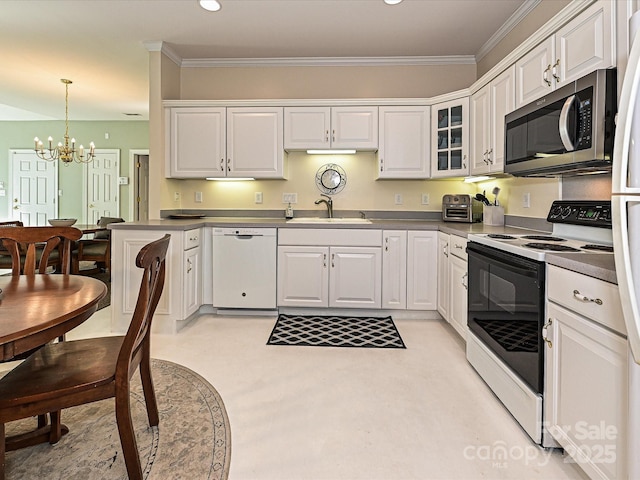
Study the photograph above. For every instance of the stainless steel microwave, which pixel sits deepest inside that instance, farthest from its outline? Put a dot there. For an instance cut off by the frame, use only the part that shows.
(569, 131)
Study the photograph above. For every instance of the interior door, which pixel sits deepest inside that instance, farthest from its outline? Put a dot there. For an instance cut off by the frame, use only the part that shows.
(34, 187)
(102, 185)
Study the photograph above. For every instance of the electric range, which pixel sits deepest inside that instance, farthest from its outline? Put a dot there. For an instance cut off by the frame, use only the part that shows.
(578, 226)
(506, 304)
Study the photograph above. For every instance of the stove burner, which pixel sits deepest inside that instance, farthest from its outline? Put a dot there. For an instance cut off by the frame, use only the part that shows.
(545, 238)
(551, 246)
(601, 248)
(501, 237)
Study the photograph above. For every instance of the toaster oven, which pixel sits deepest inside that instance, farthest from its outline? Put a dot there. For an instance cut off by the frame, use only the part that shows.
(461, 208)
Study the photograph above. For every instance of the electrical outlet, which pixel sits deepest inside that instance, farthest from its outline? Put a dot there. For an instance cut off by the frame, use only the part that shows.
(526, 200)
(289, 198)
(425, 199)
(398, 198)
(258, 197)
(198, 197)
(176, 196)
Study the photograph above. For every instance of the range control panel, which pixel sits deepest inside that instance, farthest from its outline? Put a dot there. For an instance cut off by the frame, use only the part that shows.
(595, 213)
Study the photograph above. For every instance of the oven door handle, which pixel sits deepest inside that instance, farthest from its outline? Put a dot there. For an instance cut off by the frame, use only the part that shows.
(499, 262)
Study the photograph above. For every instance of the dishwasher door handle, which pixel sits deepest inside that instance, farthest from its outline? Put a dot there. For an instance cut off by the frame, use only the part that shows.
(244, 237)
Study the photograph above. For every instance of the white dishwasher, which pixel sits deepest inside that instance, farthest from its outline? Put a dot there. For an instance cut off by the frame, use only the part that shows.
(244, 268)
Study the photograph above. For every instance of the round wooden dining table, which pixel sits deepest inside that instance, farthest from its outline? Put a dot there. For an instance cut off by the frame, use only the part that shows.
(35, 309)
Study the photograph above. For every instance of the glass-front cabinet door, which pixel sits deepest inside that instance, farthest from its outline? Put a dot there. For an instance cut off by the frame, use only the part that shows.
(450, 153)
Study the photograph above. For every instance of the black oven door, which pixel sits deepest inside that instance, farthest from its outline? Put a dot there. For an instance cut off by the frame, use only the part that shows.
(506, 309)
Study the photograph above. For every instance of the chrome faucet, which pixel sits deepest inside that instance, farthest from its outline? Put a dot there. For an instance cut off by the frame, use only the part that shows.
(328, 202)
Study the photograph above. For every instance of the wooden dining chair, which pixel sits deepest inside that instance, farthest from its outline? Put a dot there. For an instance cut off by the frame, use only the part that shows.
(66, 374)
(96, 249)
(34, 249)
(5, 259)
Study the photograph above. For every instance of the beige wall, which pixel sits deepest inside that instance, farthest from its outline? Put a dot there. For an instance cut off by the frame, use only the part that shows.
(543, 12)
(230, 83)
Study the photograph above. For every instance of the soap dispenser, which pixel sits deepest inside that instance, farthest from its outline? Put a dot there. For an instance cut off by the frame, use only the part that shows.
(288, 213)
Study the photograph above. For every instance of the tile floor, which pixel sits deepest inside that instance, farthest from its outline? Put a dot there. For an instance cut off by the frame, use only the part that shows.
(347, 413)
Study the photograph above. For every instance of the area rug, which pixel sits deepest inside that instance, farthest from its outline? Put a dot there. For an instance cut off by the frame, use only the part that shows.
(335, 332)
(193, 440)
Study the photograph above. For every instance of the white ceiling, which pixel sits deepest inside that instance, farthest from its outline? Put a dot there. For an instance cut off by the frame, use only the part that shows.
(99, 44)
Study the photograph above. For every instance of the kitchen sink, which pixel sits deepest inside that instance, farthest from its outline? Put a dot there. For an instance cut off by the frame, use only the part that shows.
(328, 220)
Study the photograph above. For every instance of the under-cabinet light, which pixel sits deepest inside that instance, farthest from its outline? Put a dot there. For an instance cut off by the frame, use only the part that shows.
(229, 179)
(477, 178)
(332, 152)
(210, 5)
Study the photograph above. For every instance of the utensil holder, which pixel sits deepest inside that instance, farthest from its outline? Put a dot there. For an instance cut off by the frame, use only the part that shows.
(493, 215)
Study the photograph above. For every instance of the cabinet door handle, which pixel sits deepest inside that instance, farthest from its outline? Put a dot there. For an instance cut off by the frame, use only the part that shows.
(326, 136)
(189, 265)
(489, 152)
(222, 164)
(386, 244)
(324, 260)
(333, 136)
(544, 75)
(544, 333)
(484, 157)
(555, 69)
(445, 250)
(381, 165)
(464, 284)
(585, 298)
(333, 263)
(228, 164)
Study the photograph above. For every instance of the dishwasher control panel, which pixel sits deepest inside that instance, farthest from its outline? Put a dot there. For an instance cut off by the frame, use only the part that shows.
(248, 231)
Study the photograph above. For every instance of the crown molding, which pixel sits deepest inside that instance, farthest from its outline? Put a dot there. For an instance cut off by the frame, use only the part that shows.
(525, 9)
(163, 47)
(327, 61)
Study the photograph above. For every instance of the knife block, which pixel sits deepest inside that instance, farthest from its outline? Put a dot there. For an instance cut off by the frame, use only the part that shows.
(493, 215)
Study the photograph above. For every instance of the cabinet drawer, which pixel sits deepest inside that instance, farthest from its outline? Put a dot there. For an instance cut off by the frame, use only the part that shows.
(191, 238)
(458, 246)
(593, 298)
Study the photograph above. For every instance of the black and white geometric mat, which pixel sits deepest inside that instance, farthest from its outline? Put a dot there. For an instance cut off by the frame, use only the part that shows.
(335, 332)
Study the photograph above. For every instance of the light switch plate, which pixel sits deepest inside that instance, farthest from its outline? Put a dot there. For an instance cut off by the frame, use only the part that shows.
(398, 199)
(198, 197)
(289, 198)
(258, 197)
(425, 199)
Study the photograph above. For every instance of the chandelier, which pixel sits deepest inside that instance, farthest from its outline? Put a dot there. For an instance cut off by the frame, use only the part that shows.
(66, 153)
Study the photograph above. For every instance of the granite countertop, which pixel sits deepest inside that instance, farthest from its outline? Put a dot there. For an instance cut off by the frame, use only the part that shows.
(598, 265)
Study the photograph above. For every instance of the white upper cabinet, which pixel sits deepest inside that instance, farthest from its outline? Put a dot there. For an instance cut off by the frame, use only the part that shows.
(585, 44)
(450, 142)
(331, 127)
(404, 142)
(254, 142)
(489, 105)
(195, 138)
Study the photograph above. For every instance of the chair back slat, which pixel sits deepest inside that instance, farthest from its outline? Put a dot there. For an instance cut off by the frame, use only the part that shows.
(31, 248)
(152, 258)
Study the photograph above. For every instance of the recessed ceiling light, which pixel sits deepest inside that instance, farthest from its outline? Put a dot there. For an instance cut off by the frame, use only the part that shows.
(213, 5)
(392, 2)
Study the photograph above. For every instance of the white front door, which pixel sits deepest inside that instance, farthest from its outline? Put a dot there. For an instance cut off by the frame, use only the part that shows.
(103, 199)
(34, 188)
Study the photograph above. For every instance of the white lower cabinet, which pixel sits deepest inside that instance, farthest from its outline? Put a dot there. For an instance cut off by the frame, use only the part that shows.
(443, 275)
(458, 293)
(182, 292)
(586, 385)
(329, 276)
(422, 272)
(329, 268)
(452, 281)
(394, 269)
